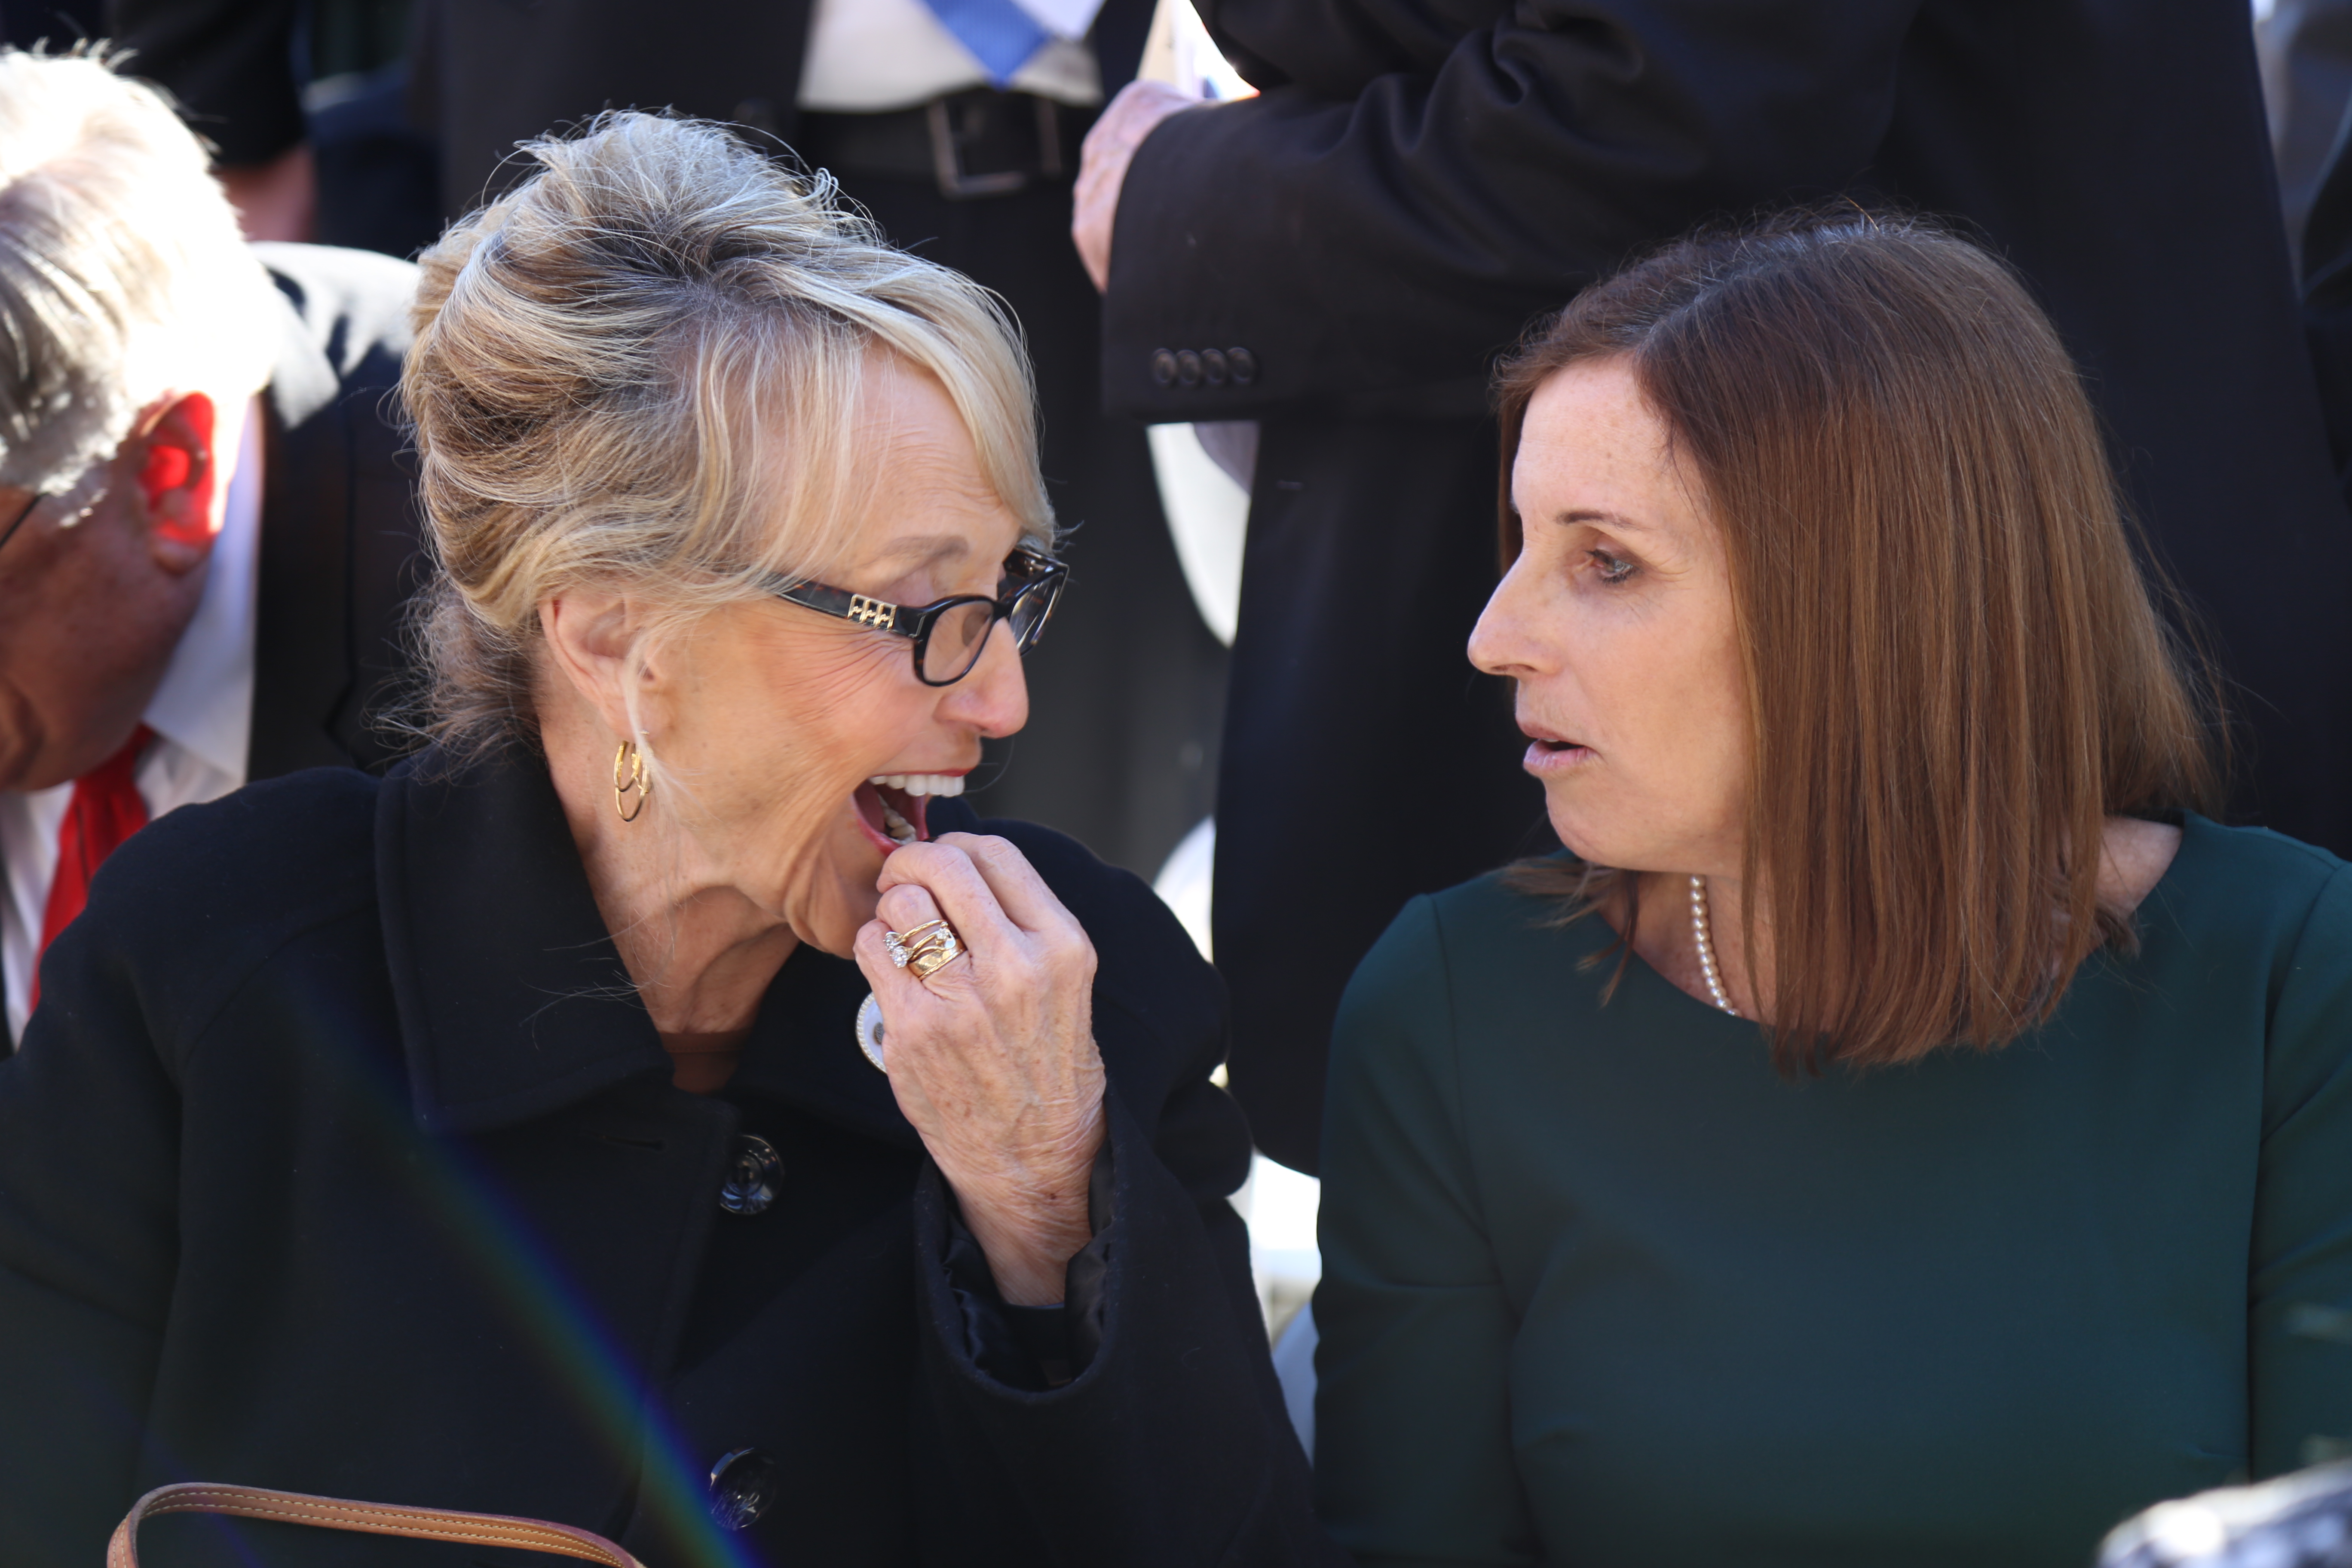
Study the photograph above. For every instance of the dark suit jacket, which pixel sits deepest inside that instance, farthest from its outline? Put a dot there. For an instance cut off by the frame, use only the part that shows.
(229, 65)
(490, 73)
(1421, 177)
(342, 1157)
(340, 532)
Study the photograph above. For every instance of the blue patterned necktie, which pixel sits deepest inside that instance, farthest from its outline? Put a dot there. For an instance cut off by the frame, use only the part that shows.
(1000, 36)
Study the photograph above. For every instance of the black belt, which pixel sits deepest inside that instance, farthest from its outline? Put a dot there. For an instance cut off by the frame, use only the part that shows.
(981, 142)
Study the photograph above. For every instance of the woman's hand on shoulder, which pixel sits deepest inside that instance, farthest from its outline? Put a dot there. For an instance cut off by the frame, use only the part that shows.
(993, 1058)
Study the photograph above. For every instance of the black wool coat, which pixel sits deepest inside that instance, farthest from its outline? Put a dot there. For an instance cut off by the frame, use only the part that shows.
(341, 1157)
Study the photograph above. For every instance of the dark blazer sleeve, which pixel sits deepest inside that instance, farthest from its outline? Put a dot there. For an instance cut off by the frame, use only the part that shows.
(1172, 1446)
(342, 535)
(1360, 237)
(230, 64)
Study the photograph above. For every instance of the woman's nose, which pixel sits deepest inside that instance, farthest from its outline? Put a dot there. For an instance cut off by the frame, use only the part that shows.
(994, 698)
(1499, 644)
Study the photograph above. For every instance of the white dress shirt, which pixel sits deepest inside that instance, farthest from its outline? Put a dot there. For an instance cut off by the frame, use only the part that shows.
(867, 56)
(202, 715)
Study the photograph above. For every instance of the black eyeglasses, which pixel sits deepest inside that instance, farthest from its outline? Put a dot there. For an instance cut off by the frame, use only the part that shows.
(10, 531)
(950, 634)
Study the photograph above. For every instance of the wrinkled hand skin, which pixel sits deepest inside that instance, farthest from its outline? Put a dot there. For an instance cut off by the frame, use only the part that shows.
(1109, 148)
(994, 1058)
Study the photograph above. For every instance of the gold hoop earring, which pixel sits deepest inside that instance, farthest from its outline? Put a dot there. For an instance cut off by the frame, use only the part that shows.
(629, 777)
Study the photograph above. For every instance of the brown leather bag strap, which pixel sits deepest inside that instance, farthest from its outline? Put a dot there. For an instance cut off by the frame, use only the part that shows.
(372, 1518)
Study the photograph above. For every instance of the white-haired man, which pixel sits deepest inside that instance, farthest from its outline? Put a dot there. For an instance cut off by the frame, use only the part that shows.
(206, 539)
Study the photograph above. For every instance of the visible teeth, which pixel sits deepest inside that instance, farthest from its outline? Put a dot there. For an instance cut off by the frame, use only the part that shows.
(919, 783)
(897, 827)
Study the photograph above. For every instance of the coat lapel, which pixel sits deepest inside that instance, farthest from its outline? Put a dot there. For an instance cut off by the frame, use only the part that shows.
(513, 1001)
(301, 666)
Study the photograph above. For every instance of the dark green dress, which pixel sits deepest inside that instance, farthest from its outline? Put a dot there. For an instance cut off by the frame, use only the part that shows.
(1600, 1287)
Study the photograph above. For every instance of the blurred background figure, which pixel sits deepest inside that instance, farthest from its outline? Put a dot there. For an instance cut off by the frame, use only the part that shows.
(2307, 54)
(1340, 256)
(2305, 48)
(25, 23)
(305, 104)
(206, 539)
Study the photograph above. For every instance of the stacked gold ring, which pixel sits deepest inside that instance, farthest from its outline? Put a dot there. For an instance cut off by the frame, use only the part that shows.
(926, 948)
(936, 955)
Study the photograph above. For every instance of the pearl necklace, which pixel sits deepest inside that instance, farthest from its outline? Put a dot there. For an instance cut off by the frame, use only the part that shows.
(1706, 946)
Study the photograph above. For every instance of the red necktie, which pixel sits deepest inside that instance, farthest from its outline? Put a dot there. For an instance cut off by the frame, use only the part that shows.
(105, 810)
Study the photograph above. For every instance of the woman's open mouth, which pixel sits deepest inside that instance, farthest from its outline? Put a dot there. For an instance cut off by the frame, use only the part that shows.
(891, 807)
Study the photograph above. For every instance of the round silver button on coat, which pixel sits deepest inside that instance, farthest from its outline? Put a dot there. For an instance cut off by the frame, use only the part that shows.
(743, 1485)
(754, 1176)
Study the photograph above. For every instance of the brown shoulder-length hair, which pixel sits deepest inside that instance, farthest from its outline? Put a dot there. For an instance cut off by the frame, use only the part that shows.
(1954, 671)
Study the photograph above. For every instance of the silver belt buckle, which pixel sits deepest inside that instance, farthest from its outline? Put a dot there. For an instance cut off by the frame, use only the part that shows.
(947, 153)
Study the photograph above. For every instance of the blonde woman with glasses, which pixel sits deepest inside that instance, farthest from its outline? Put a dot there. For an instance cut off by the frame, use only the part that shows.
(664, 1107)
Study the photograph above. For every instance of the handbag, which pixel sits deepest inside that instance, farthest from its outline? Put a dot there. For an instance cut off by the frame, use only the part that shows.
(369, 1518)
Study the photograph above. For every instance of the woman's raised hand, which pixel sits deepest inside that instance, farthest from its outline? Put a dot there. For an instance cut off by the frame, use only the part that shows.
(994, 1058)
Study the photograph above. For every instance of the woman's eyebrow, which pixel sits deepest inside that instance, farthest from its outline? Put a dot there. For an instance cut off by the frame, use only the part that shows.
(1598, 517)
(1606, 519)
(924, 549)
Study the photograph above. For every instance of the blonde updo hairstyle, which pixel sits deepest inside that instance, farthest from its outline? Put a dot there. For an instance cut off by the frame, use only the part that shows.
(641, 368)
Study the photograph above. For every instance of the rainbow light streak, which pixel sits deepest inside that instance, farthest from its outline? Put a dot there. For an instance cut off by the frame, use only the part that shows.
(563, 1332)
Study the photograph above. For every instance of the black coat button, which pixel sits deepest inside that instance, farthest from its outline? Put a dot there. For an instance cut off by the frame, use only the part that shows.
(1163, 367)
(1213, 366)
(1242, 365)
(743, 1485)
(754, 1177)
(1187, 367)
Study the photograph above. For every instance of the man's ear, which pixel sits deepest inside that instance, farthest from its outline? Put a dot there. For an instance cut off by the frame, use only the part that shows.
(176, 474)
(591, 642)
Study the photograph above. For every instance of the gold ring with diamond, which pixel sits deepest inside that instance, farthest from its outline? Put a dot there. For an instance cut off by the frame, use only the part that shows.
(935, 955)
(941, 942)
(902, 946)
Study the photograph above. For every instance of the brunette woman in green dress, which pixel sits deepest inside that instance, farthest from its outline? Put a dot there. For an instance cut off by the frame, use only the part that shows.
(1901, 1129)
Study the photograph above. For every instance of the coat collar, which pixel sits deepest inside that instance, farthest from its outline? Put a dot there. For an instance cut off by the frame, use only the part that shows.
(512, 999)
